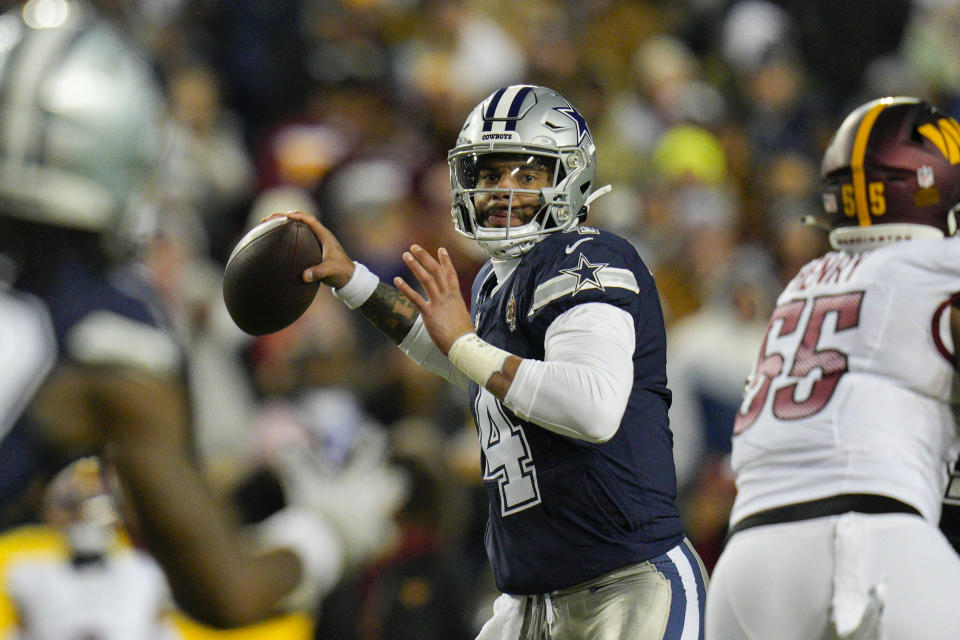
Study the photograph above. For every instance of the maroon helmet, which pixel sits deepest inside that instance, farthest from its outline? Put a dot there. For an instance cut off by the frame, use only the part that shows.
(892, 172)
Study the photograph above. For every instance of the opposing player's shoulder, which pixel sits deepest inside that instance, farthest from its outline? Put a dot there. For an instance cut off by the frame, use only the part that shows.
(915, 263)
(919, 259)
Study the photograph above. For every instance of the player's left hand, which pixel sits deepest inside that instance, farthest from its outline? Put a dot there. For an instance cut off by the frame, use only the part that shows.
(444, 312)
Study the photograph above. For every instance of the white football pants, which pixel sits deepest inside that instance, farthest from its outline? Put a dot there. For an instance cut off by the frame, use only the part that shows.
(851, 577)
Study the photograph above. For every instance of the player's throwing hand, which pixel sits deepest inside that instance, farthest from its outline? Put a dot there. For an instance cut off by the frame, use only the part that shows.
(444, 311)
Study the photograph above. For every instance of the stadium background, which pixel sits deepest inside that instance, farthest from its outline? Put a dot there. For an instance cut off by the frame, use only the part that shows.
(709, 115)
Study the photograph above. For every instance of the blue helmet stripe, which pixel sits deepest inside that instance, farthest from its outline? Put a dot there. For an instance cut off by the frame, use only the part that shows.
(492, 109)
(515, 108)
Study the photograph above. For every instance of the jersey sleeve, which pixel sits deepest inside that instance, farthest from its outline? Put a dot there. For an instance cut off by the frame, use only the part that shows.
(580, 389)
(420, 348)
(113, 319)
(588, 268)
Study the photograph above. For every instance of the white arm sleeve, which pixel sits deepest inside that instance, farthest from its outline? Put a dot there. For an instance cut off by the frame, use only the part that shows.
(419, 346)
(581, 388)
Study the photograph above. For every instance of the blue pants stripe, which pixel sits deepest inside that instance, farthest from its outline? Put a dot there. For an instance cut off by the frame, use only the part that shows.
(681, 568)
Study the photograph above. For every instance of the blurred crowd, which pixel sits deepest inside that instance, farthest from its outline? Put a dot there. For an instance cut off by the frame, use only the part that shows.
(710, 117)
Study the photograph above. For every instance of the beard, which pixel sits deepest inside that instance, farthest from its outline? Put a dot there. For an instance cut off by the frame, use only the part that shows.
(496, 215)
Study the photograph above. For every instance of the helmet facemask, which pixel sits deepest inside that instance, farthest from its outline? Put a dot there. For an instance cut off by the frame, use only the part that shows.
(550, 204)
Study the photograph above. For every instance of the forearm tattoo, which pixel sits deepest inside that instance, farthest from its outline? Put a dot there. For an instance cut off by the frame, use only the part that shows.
(388, 310)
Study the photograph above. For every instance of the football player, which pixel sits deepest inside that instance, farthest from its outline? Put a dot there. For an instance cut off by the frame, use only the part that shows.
(87, 362)
(100, 589)
(563, 354)
(842, 442)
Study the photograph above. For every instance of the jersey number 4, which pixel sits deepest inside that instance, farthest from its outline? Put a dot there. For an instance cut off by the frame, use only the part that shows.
(814, 372)
(506, 456)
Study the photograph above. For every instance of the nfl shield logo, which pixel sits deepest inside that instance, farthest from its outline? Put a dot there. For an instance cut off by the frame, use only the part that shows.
(925, 176)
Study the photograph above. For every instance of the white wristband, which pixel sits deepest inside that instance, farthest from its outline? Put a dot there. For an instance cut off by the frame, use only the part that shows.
(476, 357)
(359, 288)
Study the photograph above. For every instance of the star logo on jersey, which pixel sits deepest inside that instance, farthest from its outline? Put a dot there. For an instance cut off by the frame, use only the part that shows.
(586, 274)
(581, 123)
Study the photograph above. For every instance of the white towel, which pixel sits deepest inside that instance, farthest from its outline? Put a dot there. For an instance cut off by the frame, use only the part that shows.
(857, 606)
(506, 621)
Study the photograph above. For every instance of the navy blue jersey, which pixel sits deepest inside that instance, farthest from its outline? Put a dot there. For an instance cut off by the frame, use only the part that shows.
(73, 310)
(76, 289)
(563, 511)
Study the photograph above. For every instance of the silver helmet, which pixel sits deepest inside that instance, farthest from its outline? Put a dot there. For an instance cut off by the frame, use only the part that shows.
(530, 121)
(80, 110)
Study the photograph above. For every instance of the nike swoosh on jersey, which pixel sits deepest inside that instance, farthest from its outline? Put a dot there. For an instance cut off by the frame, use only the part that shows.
(570, 248)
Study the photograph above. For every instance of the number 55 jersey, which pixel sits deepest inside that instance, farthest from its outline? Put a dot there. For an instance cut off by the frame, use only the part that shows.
(851, 392)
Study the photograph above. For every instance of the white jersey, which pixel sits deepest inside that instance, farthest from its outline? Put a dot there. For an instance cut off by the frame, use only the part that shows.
(121, 599)
(851, 392)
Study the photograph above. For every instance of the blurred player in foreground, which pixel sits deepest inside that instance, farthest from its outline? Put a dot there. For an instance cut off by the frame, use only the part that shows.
(87, 362)
(842, 443)
(564, 359)
(98, 590)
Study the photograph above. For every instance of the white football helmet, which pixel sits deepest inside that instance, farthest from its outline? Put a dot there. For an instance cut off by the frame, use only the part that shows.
(80, 114)
(534, 121)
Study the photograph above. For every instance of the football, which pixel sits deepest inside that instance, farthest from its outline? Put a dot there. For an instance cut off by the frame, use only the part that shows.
(263, 286)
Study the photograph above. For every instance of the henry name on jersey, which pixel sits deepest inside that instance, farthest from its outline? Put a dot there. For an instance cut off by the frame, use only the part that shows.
(832, 268)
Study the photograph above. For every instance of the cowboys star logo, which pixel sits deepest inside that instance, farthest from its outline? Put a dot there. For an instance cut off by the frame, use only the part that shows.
(586, 274)
(578, 120)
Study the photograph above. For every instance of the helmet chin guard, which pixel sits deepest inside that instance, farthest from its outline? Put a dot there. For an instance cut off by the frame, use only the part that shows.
(532, 121)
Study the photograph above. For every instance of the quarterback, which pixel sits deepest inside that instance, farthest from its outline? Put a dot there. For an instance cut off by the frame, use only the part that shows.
(563, 354)
(844, 437)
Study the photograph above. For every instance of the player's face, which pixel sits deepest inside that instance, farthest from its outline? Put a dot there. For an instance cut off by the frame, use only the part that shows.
(504, 174)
